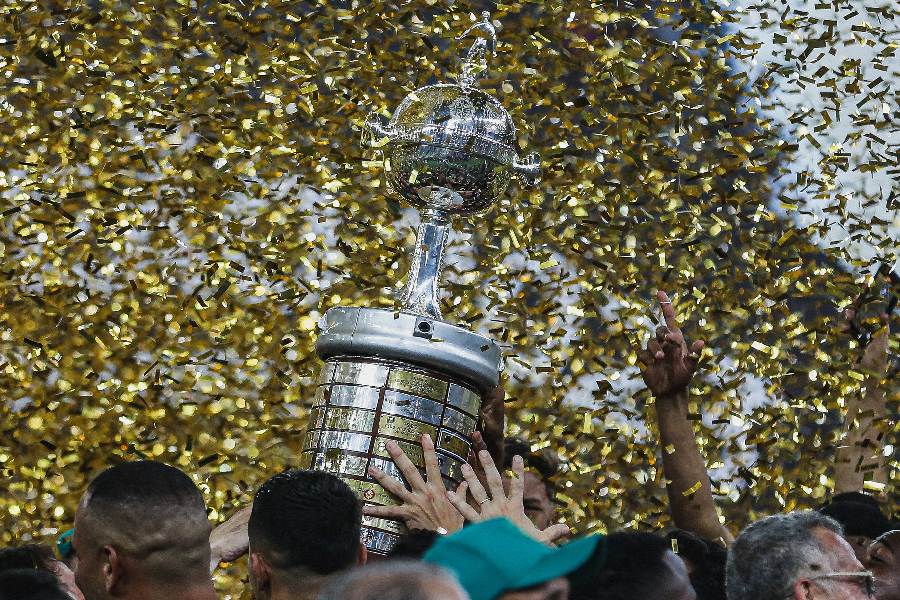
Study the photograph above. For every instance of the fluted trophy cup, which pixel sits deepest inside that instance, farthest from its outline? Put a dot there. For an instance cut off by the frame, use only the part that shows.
(449, 150)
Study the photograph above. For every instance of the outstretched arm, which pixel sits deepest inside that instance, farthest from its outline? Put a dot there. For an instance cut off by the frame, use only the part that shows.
(859, 457)
(229, 541)
(668, 367)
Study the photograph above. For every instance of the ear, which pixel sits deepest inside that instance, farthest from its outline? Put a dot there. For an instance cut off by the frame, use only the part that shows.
(261, 576)
(803, 590)
(113, 568)
(363, 555)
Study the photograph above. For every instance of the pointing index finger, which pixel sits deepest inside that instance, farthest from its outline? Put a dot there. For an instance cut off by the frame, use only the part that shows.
(667, 310)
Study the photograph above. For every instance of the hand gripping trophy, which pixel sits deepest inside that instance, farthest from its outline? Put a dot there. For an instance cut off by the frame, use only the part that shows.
(449, 151)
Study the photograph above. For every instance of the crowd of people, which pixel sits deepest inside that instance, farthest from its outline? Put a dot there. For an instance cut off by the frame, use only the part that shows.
(141, 530)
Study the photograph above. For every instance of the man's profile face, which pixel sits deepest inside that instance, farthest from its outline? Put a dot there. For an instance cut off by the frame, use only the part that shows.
(841, 559)
(860, 544)
(679, 587)
(88, 570)
(67, 579)
(883, 559)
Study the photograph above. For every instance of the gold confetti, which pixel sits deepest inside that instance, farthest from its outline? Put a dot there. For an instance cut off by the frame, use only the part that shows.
(181, 192)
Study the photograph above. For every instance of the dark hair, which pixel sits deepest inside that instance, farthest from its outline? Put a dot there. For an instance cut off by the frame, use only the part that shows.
(858, 514)
(545, 462)
(31, 556)
(145, 483)
(394, 580)
(770, 555)
(413, 544)
(707, 560)
(635, 569)
(861, 497)
(30, 584)
(306, 519)
(154, 510)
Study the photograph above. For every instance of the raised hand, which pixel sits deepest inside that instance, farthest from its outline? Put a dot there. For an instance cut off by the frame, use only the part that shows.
(494, 502)
(425, 505)
(230, 540)
(669, 364)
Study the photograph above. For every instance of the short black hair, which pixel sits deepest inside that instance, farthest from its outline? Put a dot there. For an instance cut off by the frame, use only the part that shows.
(31, 584)
(144, 483)
(307, 520)
(707, 559)
(635, 568)
(413, 544)
(153, 511)
(30, 556)
(858, 514)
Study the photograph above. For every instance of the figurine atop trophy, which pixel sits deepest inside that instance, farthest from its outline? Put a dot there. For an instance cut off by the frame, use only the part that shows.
(449, 151)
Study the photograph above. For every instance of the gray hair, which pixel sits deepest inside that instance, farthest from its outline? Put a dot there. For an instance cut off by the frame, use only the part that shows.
(389, 580)
(771, 555)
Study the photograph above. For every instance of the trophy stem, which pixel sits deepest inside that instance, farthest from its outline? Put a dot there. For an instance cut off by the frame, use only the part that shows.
(420, 295)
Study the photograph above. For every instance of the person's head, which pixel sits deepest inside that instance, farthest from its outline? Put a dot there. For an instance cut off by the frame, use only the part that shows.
(494, 559)
(800, 555)
(396, 580)
(304, 527)
(860, 517)
(883, 559)
(41, 558)
(413, 544)
(538, 492)
(31, 584)
(705, 562)
(141, 529)
(639, 566)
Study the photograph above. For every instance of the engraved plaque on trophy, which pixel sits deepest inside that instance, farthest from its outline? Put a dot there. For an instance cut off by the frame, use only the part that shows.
(449, 150)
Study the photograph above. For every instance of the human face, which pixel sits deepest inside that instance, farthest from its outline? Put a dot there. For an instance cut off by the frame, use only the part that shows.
(555, 589)
(840, 559)
(883, 559)
(538, 506)
(88, 569)
(680, 587)
(860, 545)
(67, 579)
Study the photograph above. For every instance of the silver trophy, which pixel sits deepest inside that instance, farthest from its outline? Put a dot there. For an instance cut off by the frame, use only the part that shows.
(449, 150)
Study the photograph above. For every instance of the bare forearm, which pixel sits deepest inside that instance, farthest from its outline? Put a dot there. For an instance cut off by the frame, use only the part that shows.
(859, 455)
(687, 481)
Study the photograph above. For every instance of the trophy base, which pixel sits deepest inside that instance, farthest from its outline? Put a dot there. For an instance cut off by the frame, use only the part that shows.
(361, 403)
(394, 376)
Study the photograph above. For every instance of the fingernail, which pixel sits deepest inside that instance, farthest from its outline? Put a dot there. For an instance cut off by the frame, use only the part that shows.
(517, 460)
(466, 468)
(483, 454)
(427, 438)
(392, 445)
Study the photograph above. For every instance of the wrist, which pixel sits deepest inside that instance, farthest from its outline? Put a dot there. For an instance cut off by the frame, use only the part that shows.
(672, 395)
